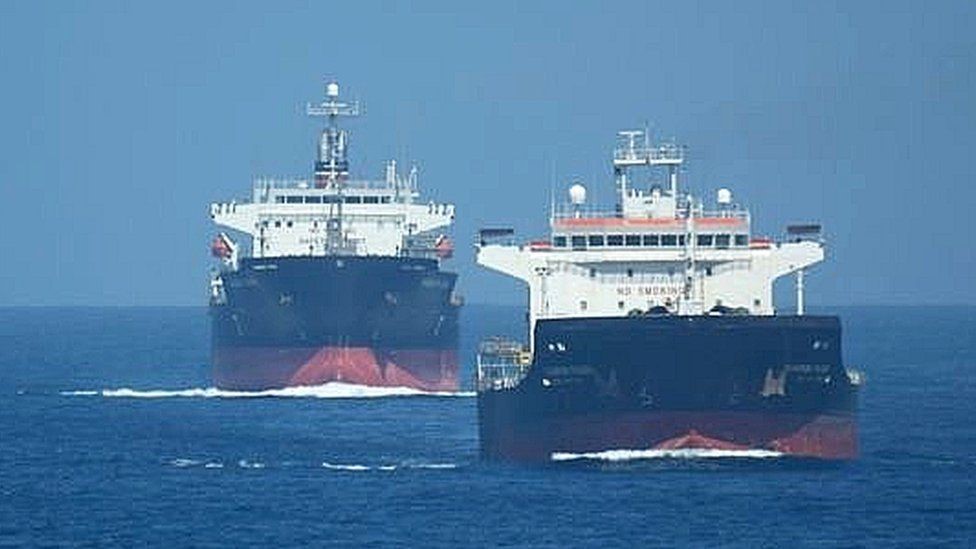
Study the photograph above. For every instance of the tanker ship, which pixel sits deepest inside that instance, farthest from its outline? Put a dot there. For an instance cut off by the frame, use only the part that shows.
(330, 278)
(652, 329)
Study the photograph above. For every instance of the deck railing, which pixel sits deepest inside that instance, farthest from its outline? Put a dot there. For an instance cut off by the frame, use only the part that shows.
(502, 364)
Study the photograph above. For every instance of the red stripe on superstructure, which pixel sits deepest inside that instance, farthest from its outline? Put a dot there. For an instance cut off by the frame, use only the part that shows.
(608, 222)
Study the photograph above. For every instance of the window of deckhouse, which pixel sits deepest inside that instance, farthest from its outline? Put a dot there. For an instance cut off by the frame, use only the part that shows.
(652, 240)
(722, 240)
(705, 240)
(596, 240)
(669, 240)
(742, 240)
(578, 241)
(294, 199)
(632, 240)
(615, 240)
(559, 241)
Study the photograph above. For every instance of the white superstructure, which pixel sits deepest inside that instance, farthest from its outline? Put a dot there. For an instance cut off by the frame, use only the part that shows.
(331, 214)
(657, 252)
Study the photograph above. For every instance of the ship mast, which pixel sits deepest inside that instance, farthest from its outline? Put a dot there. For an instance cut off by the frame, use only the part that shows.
(332, 163)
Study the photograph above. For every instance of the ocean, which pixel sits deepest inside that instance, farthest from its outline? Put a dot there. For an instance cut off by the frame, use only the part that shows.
(110, 434)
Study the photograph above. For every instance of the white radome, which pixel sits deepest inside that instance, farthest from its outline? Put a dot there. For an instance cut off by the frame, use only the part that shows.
(724, 196)
(577, 194)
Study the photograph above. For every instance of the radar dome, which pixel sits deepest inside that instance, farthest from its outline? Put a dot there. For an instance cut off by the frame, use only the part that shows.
(577, 194)
(332, 89)
(724, 197)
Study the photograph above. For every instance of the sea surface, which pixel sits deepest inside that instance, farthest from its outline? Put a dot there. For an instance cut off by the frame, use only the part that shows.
(110, 434)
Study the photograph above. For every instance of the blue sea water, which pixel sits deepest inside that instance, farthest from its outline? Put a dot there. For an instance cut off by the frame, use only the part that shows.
(83, 462)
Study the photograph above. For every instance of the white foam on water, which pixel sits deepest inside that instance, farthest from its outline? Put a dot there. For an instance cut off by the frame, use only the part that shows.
(245, 464)
(213, 465)
(183, 462)
(329, 390)
(434, 466)
(681, 453)
(385, 467)
(344, 467)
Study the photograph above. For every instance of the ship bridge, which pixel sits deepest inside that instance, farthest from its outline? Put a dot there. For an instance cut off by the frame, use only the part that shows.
(657, 252)
(331, 213)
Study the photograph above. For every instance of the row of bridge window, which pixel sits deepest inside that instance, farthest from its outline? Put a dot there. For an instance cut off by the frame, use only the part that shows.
(581, 241)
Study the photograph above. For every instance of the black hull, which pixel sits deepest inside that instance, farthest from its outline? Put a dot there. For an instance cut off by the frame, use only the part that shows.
(730, 382)
(310, 320)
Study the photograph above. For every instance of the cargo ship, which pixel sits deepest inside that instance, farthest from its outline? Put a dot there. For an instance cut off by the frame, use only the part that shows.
(651, 327)
(329, 278)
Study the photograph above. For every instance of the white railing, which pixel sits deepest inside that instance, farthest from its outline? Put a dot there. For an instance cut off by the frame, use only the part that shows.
(571, 211)
(661, 154)
(502, 364)
(263, 183)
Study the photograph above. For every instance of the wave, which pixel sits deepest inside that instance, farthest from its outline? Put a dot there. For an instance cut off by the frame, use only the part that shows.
(329, 390)
(358, 467)
(184, 463)
(681, 453)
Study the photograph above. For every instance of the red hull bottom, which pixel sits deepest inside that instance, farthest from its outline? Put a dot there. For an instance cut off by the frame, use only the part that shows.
(258, 368)
(806, 435)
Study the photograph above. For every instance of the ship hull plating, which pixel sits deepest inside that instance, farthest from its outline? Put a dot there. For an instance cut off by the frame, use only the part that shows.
(379, 321)
(730, 383)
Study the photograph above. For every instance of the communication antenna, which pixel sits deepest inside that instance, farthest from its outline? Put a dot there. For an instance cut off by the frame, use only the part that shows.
(332, 163)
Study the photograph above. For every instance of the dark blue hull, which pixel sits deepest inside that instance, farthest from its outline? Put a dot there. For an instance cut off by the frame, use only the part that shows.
(734, 382)
(310, 320)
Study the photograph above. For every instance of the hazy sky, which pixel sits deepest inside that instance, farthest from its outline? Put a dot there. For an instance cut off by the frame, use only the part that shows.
(120, 122)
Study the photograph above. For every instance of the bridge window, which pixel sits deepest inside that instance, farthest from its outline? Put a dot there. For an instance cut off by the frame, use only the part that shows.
(313, 199)
(652, 240)
(559, 241)
(705, 240)
(669, 240)
(742, 240)
(681, 240)
(371, 200)
(722, 240)
(596, 240)
(385, 199)
(279, 200)
(578, 241)
(294, 199)
(615, 240)
(633, 240)
(331, 199)
(354, 200)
